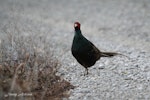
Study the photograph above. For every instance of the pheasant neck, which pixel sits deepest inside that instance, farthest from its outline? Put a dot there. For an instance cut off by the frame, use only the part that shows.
(78, 33)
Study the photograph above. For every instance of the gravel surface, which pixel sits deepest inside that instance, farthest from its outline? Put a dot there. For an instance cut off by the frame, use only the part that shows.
(112, 25)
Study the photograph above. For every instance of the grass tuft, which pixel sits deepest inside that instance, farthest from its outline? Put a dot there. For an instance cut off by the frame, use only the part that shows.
(28, 68)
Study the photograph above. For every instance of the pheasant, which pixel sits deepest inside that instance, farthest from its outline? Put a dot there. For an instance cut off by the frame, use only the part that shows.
(84, 51)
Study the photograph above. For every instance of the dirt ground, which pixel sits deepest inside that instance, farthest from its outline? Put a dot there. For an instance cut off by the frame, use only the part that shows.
(112, 25)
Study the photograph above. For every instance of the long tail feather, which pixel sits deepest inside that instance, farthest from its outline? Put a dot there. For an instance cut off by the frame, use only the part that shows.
(109, 54)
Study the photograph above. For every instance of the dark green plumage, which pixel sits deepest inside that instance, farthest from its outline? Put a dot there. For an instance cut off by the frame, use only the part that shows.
(84, 51)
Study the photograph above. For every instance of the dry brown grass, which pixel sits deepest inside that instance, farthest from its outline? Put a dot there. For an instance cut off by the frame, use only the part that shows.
(28, 69)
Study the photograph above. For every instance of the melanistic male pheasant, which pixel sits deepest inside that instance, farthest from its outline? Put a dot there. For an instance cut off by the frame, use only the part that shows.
(84, 51)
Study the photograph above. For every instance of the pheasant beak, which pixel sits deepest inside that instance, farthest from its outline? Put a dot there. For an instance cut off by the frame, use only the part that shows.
(75, 25)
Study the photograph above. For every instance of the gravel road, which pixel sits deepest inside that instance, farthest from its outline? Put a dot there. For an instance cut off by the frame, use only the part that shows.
(112, 25)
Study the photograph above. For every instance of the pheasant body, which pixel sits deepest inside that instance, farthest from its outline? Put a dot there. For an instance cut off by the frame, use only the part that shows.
(83, 50)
